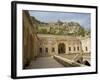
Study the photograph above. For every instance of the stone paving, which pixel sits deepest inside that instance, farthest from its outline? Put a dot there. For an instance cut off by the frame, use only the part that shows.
(44, 62)
(50, 62)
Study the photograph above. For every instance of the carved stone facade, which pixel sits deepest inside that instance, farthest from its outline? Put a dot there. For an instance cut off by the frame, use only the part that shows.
(54, 44)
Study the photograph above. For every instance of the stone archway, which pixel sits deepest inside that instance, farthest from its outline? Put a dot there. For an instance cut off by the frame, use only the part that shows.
(61, 48)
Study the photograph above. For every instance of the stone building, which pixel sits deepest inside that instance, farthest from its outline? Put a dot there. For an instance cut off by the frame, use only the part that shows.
(30, 39)
(53, 44)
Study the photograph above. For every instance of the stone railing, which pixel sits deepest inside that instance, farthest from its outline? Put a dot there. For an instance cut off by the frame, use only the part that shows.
(67, 62)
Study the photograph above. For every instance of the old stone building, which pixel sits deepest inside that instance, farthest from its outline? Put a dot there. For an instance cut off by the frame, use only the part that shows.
(69, 47)
(53, 44)
(30, 39)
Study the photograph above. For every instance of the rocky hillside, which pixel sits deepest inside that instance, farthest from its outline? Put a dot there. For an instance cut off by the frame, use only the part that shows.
(61, 28)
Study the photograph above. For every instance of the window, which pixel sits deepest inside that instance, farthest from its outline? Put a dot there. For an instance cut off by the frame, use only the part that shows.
(69, 48)
(86, 48)
(74, 48)
(46, 49)
(40, 50)
(78, 48)
(53, 49)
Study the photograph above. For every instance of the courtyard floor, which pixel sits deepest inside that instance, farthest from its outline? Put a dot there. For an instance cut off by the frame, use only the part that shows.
(50, 62)
(44, 62)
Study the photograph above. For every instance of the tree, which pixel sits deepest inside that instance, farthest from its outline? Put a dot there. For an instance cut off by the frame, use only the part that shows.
(59, 22)
(60, 32)
(81, 32)
(43, 31)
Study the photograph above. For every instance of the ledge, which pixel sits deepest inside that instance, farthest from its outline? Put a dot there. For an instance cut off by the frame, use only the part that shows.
(67, 62)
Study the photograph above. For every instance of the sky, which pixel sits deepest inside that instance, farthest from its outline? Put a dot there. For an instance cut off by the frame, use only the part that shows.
(50, 16)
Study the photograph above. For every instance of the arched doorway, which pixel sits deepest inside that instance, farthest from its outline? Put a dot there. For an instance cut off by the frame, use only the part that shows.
(61, 48)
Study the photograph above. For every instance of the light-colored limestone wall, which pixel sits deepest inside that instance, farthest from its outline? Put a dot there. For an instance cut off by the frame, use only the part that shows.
(49, 41)
(86, 43)
(74, 45)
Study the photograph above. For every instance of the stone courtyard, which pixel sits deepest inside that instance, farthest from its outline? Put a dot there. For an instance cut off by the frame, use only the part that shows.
(44, 62)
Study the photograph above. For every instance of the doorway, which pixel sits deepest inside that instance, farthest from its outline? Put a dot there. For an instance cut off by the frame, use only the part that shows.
(61, 48)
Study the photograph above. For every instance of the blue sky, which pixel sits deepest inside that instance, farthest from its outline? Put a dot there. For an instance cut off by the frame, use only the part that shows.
(50, 16)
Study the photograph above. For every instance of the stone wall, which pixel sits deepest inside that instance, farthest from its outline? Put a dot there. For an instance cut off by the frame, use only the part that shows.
(86, 45)
(68, 45)
(30, 44)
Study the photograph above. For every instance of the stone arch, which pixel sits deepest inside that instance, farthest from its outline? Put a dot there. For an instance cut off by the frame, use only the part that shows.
(61, 48)
(86, 63)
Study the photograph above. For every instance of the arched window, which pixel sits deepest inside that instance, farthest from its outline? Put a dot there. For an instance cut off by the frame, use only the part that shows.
(78, 48)
(74, 48)
(46, 50)
(86, 48)
(53, 49)
(69, 48)
(40, 50)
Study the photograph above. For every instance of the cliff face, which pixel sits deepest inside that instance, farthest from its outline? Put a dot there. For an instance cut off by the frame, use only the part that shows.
(61, 28)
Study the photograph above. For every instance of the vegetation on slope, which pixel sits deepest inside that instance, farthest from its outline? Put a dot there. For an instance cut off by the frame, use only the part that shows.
(61, 28)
